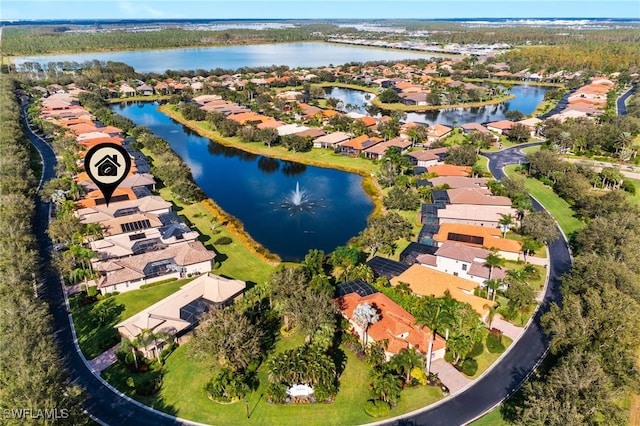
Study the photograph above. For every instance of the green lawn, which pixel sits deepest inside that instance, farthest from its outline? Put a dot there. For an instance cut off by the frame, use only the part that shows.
(492, 418)
(183, 395)
(236, 260)
(635, 199)
(487, 358)
(559, 208)
(95, 336)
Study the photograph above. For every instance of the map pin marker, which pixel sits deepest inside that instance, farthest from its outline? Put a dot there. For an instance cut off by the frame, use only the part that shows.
(107, 164)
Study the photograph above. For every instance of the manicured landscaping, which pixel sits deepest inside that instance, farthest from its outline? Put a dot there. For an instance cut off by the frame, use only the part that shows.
(96, 335)
(487, 358)
(236, 260)
(492, 418)
(557, 207)
(183, 394)
(316, 157)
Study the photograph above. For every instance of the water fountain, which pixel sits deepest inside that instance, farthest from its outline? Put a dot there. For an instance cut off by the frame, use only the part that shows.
(298, 201)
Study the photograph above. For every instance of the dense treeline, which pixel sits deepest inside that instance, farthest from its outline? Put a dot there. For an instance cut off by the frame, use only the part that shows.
(591, 55)
(593, 333)
(31, 375)
(40, 40)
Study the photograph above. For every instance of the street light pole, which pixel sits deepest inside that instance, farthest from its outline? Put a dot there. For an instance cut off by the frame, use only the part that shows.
(246, 404)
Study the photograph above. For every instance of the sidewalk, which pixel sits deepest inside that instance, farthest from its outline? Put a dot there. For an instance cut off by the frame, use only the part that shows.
(104, 360)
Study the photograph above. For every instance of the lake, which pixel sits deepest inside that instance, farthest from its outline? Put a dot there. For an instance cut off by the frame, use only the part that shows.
(527, 98)
(293, 55)
(260, 191)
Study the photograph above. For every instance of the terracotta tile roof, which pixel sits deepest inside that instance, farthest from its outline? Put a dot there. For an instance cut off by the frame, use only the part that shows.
(491, 237)
(368, 121)
(502, 124)
(88, 143)
(426, 281)
(95, 197)
(450, 170)
(395, 325)
(246, 117)
(362, 142)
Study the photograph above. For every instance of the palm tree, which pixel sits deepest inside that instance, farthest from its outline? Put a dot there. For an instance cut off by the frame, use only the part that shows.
(364, 315)
(493, 260)
(406, 360)
(506, 221)
(434, 315)
(385, 386)
(493, 285)
(529, 245)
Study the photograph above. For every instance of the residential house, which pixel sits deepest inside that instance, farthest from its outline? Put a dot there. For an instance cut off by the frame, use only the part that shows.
(454, 182)
(478, 215)
(532, 124)
(464, 262)
(358, 144)
(501, 127)
(180, 312)
(377, 151)
(425, 281)
(476, 196)
(478, 236)
(449, 170)
(437, 132)
(331, 140)
(427, 158)
(395, 326)
(174, 261)
(153, 204)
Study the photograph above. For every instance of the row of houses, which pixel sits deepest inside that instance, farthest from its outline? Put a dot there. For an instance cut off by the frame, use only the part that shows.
(143, 239)
(460, 230)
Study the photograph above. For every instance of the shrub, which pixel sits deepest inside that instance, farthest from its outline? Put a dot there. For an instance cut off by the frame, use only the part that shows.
(419, 375)
(477, 350)
(92, 291)
(448, 356)
(277, 393)
(469, 366)
(494, 343)
(376, 408)
(223, 241)
(629, 187)
(149, 384)
(228, 386)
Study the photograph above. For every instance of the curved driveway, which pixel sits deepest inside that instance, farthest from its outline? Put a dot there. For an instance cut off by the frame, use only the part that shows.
(523, 356)
(109, 407)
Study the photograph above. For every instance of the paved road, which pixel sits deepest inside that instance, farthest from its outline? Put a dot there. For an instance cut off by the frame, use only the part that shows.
(621, 106)
(108, 407)
(102, 402)
(522, 358)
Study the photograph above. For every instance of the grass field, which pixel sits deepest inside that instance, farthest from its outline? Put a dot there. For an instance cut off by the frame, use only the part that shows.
(559, 208)
(183, 394)
(492, 418)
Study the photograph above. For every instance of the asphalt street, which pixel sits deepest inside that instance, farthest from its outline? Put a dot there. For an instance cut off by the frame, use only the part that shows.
(105, 405)
(523, 357)
(109, 407)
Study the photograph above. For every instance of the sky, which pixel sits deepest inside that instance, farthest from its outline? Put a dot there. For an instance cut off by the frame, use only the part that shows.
(315, 9)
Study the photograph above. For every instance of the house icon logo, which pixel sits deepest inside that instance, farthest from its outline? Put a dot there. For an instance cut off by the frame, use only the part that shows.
(108, 165)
